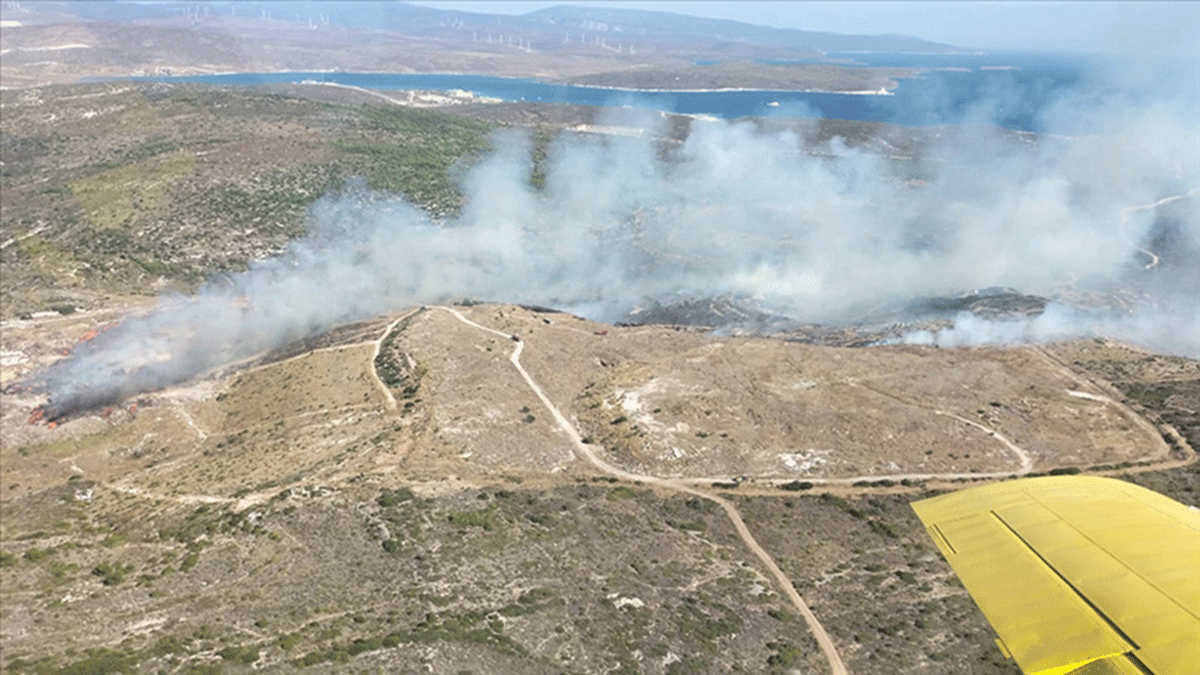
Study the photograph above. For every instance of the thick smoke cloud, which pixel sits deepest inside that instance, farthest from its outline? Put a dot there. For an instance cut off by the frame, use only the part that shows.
(823, 237)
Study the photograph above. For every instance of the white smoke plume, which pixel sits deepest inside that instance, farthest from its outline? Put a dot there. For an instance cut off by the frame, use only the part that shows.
(1172, 330)
(731, 210)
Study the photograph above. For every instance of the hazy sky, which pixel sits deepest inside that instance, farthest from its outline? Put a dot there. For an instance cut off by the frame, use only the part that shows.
(1115, 27)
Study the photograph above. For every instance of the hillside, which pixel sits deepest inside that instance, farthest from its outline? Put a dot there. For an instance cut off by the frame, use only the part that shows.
(234, 440)
(48, 42)
(394, 493)
(136, 188)
(642, 495)
(139, 187)
(343, 489)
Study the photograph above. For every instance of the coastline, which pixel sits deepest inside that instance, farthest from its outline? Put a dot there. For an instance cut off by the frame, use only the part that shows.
(882, 91)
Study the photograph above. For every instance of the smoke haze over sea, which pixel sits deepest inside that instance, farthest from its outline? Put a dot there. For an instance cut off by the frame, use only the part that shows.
(732, 210)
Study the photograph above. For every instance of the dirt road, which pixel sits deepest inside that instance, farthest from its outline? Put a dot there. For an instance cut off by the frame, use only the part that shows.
(1125, 212)
(1023, 457)
(387, 393)
(836, 666)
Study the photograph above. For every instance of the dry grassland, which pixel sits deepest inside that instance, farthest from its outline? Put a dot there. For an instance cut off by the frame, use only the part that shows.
(283, 513)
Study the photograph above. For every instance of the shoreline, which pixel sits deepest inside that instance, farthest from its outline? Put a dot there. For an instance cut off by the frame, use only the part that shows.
(882, 91)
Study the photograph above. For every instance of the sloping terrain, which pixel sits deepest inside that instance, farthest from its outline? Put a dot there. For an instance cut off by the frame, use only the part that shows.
(393, 495)
(112, 189)
(138, 187)
(483, 488)
(65, 42)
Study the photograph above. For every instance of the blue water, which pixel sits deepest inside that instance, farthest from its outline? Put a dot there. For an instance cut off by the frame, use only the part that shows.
(1010, 98)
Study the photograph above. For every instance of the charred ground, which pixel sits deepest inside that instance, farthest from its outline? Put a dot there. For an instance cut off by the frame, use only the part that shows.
(392, 495)
(281, 515)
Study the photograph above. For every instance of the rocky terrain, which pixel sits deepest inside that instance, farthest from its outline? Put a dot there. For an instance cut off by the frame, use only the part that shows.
(482, 487)
(394, 495)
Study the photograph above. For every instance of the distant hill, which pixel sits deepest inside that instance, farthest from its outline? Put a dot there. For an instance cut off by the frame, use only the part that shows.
(667, 25)
(629, 25)
(49, 42)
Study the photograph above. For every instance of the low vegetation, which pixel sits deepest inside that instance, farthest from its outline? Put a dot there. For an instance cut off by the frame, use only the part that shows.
(130, 188)
(397, 369)
(305, 532)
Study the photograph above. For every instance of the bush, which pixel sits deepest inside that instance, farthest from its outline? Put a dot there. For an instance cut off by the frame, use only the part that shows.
(36, 554)
(101, 662)
(840, 503)
(785, 655)
(882, 529)
(189, 561)
(389, 498)
(245, 655)
(111, 574)
(286, 642)
(484, 518)
(797, 485)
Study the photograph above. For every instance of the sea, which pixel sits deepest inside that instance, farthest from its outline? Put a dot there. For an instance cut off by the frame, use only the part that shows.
(1011, 90)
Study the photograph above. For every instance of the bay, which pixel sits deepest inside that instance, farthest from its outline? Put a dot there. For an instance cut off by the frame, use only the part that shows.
(1006, 90)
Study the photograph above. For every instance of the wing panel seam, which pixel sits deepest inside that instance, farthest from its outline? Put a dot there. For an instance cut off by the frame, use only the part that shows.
(1106, 551)
(1096, 610)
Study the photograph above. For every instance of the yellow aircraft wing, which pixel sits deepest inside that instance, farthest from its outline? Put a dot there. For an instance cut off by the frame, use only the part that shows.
(1077, 574)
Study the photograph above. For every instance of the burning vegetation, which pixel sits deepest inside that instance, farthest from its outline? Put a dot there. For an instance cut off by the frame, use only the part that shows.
(68, 395)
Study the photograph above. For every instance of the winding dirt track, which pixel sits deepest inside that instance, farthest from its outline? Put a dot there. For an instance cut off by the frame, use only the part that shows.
(836, 666)
(1152, 261)
(688, 485)
(1026, 461)
(387, 393)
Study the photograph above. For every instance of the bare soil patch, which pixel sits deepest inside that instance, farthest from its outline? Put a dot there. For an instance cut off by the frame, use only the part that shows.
(462, 531)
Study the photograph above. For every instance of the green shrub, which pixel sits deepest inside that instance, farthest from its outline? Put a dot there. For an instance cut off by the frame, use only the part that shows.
(111, 574)
(36, 554)
(189, 561)
(287, 641)
(484, 518)
(389, 498)
(784, 654)
(101, 662)
(245, 655)
(881, 528)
